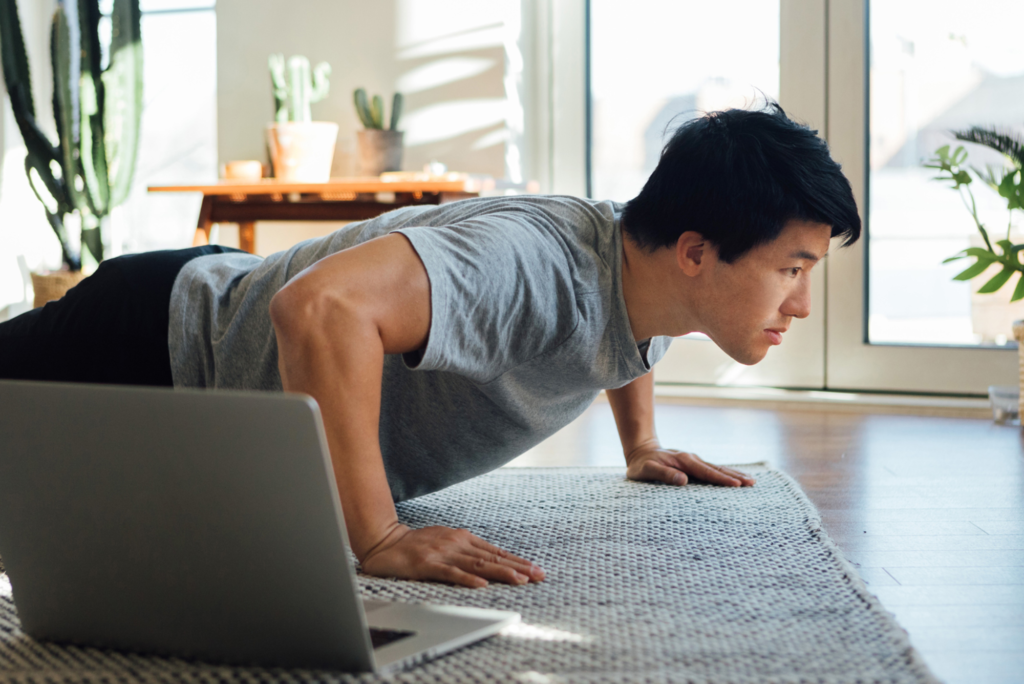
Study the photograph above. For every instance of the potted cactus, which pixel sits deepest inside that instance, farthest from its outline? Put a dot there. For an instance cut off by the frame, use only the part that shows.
(380, 150)
(89, 170)
(301, 150)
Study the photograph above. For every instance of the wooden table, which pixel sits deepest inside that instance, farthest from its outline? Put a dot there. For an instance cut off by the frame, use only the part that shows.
(339, 199)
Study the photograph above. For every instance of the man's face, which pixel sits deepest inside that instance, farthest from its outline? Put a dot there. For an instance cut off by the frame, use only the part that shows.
(747, 305)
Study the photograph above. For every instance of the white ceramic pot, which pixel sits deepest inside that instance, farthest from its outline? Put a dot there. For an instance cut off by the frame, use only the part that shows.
(302, 151)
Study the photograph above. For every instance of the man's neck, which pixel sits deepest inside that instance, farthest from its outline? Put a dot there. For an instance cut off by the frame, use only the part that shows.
(651, 292)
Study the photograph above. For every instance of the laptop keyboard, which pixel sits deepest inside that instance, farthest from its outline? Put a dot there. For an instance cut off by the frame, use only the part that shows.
(383, 637)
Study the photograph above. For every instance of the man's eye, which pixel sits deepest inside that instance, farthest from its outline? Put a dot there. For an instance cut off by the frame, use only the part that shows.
(795, 271)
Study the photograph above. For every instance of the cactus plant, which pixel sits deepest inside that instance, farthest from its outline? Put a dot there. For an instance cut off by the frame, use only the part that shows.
(296, 86)
(90, 169)
(371, 112)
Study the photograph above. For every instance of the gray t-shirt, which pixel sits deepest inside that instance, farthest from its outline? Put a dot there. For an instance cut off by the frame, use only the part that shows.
(528, 324)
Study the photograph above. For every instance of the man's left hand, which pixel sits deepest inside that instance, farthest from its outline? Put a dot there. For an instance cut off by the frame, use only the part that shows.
(652, 463)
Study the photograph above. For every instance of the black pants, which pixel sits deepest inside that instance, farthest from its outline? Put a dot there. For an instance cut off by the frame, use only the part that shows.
(110, 328)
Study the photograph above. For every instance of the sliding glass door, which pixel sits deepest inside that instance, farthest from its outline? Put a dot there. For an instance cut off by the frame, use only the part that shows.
(884, 86)
(902, 75)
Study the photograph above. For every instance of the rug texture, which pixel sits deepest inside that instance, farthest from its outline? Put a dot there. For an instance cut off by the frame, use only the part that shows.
(646, 583)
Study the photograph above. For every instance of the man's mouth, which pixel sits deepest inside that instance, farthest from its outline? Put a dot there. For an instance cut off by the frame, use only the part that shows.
(775, 335)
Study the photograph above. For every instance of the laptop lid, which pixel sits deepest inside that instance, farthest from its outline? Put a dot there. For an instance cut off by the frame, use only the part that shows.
(195, 523)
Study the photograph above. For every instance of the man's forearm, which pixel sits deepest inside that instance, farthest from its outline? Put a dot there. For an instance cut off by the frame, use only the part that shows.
(338, 360)
(633, 408)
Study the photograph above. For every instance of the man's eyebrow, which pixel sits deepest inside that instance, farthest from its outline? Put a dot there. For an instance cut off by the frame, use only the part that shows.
(805, 255)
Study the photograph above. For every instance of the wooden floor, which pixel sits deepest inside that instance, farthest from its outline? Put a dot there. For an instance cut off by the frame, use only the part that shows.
(931, 511)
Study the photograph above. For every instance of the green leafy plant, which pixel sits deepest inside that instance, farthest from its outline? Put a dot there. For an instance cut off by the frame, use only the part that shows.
(297, 86)
(371, 112)
(90, 169)
(1009, 183)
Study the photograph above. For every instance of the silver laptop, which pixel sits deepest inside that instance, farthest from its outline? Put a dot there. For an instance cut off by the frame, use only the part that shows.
(198, 524)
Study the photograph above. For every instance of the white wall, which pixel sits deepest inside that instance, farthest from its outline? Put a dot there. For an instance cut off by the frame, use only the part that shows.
(447, 56)
(475, 74)
(456, 62)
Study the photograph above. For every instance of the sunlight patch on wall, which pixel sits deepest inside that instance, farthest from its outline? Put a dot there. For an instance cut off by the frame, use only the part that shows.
(441, 72)
(515, 115)
(490, 139)
(456, 50)
(426, 28)
(446, 120)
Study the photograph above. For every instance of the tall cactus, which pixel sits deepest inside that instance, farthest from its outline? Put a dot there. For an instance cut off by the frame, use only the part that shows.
(97, 110)
(296, 87)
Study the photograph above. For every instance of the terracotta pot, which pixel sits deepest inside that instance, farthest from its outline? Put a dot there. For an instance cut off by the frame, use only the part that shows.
(380, 151)
(302, 151)
(52, 286)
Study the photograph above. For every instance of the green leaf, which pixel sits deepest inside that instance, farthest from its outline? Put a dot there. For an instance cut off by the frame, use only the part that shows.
(1018, 292)
(972, 271)
(984, 236)
(959, 155)
(997, 281)
(981, 253)
(122, 110)
(1009, 145)
(92, 240)
(63, 44)
(91, 98)
(1010, 189)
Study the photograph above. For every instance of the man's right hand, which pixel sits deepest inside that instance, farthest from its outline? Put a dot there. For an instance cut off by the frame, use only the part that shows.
(446, 555)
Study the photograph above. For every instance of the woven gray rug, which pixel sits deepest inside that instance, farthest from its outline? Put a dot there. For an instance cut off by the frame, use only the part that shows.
(646, 583)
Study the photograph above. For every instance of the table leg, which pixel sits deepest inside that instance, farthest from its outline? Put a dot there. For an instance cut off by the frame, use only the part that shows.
(247, 236)
(204, 225)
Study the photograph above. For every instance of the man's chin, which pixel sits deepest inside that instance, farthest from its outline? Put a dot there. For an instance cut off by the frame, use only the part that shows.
(749, 356)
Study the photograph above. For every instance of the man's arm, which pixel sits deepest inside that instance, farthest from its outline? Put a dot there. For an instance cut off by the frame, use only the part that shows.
(334, 323)
(633, 408)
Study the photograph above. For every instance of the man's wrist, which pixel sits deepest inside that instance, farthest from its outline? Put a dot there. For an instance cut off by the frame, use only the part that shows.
(391, 535)
(637, 448)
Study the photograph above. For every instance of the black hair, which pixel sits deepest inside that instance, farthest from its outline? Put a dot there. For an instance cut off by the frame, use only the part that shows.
(738, 177)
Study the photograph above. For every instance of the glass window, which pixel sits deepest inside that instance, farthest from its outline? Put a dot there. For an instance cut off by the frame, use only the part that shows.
(657, 63)
(936, 67)
(178, 141)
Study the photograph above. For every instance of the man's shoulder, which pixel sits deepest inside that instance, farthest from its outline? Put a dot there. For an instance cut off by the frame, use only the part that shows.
(565, 207)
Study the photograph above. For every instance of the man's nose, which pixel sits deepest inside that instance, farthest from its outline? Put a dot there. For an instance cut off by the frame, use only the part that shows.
(798, 304)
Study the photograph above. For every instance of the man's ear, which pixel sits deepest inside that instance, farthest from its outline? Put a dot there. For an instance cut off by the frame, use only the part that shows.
(692, 252)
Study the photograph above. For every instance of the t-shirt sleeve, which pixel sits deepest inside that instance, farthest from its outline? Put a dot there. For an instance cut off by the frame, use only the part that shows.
(501, 293)
(657, 349)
